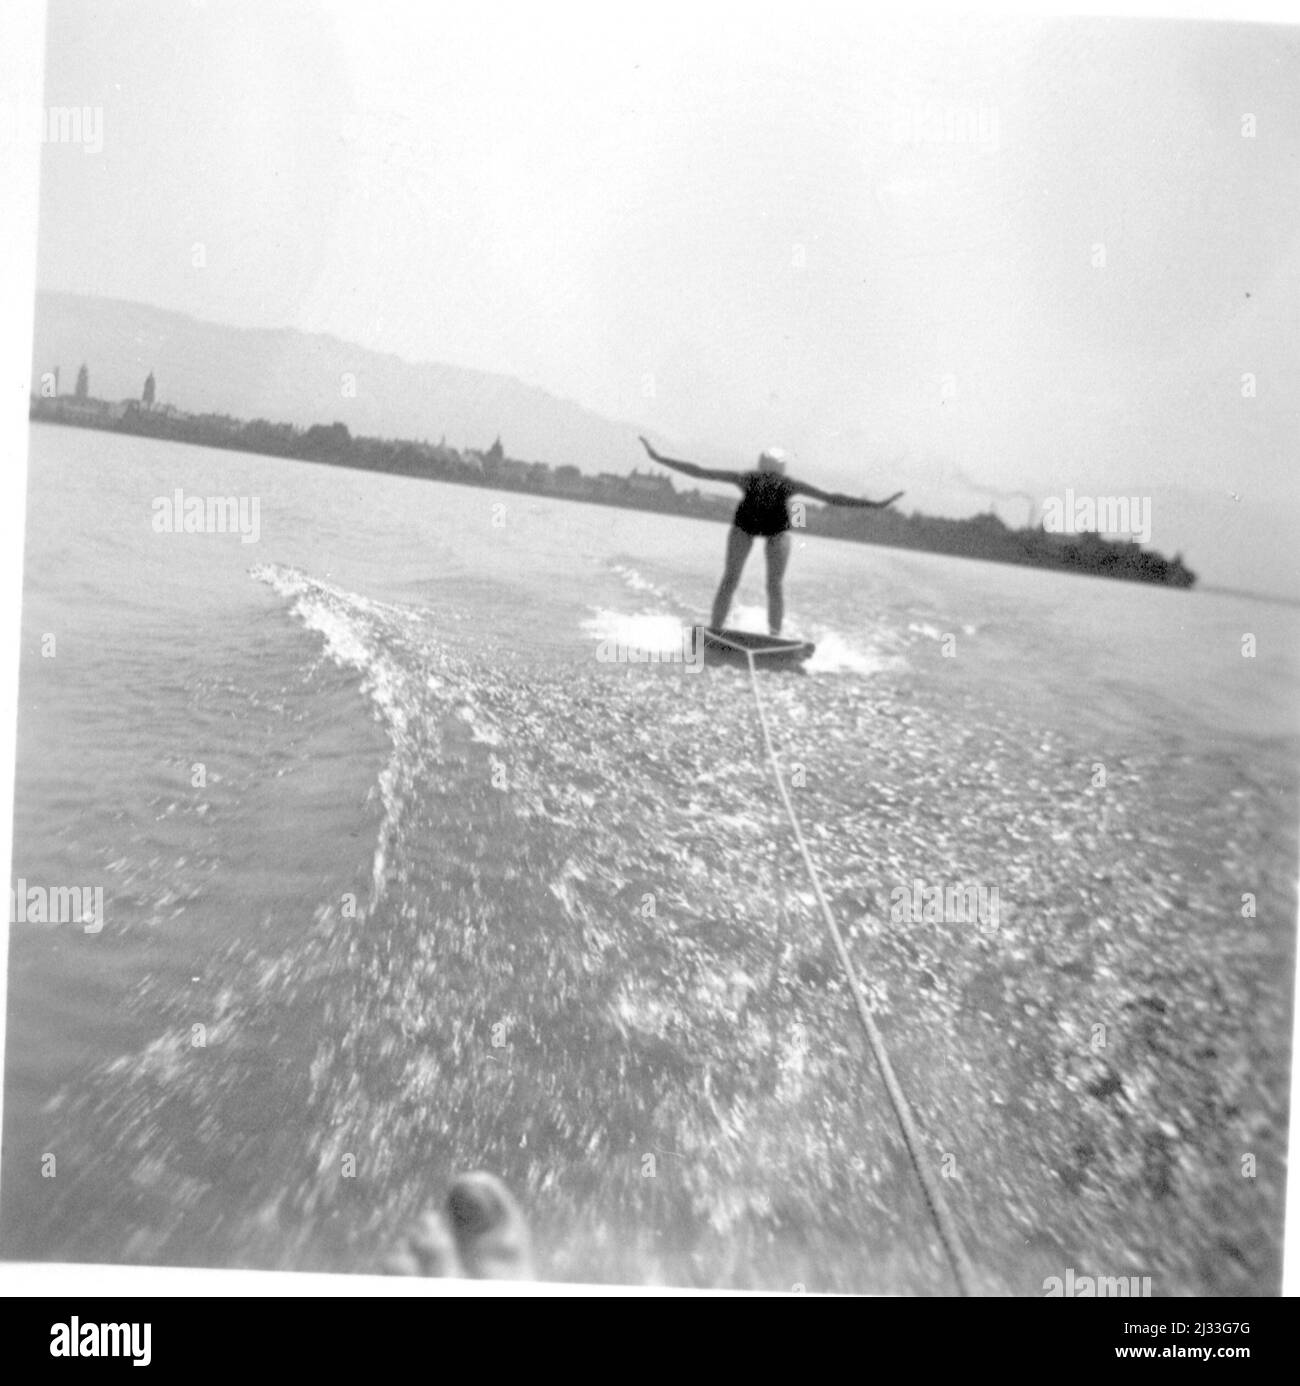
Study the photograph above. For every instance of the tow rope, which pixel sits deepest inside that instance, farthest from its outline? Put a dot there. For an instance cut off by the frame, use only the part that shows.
(961, 1265)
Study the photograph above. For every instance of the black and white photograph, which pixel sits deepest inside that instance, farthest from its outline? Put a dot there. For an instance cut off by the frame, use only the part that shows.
(655, 647)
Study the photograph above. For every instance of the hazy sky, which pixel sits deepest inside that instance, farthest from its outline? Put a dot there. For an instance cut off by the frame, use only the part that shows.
(874, 244)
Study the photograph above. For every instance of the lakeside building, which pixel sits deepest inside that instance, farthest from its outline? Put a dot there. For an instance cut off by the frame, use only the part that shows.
(983, 536)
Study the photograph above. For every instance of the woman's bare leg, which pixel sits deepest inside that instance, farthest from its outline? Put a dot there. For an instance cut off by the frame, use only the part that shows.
(778, 555)
(738, 546)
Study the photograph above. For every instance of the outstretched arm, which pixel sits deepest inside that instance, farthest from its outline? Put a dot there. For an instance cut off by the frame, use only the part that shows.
(838, 498)
(690, 468)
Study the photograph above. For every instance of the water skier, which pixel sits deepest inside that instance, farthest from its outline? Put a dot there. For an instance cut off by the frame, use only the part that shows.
(763, 513)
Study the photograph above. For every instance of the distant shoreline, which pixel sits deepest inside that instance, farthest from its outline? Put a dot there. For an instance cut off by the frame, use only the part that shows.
(982, 537)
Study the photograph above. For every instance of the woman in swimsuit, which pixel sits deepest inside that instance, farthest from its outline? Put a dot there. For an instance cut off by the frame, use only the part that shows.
(762, 514)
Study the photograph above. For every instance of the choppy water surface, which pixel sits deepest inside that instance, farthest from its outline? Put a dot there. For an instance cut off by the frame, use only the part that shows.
(455, 893)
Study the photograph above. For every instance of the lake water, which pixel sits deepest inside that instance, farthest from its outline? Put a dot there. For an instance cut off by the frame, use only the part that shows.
(400, 878)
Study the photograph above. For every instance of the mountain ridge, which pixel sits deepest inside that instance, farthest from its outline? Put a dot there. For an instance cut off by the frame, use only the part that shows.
(288, 374)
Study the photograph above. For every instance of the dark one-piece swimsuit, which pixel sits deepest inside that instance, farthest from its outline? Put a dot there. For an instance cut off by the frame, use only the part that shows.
(762, 511)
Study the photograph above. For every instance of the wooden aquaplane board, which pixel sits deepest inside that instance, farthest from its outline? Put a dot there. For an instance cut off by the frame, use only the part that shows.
(769, 651)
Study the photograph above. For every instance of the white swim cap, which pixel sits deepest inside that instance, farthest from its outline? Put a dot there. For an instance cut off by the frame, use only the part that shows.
(772, 460)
